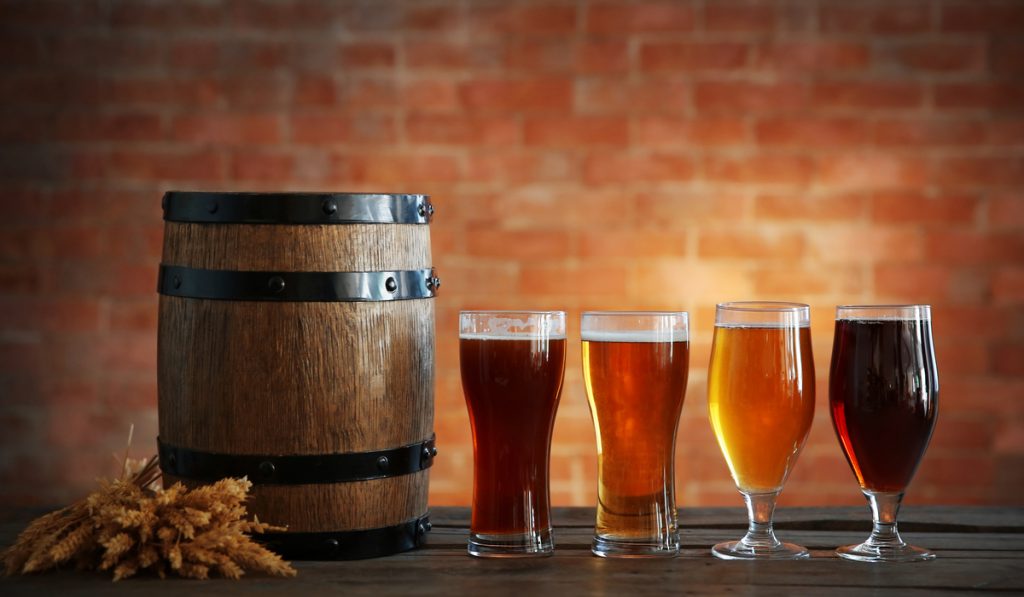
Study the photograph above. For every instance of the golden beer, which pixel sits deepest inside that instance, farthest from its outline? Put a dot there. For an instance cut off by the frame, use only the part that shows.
(635, 381)
(761, 401)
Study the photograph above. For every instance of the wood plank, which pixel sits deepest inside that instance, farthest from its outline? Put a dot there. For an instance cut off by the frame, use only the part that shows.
(968, 561)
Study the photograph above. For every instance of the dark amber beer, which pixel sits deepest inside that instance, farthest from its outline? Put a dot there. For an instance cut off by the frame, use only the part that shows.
(512, 366)
(884, 398)
(635, 369)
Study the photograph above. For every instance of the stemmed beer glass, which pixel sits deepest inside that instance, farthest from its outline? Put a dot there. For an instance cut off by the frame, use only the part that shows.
(761, 403)
(883, 394)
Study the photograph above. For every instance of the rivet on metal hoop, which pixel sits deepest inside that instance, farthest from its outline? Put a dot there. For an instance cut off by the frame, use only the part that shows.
(267, 469)
(391, 285)
(176, 281)
(212, 206)
(276, 284)
(330, 206)
(382, 463)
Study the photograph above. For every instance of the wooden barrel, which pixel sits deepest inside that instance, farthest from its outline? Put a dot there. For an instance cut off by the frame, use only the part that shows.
(296, 347)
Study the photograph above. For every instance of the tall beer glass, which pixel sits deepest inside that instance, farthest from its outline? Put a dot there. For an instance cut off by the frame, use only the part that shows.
(884, 398)
(761, 402)
(512, 364)
(635, 367)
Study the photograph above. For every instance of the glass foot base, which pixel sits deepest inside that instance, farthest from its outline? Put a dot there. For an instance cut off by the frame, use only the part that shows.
(741, 550)
(513, 545)
(620, 548)
(866, 552)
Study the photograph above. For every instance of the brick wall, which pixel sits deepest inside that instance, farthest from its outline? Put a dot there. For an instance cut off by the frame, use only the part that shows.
(582, 155)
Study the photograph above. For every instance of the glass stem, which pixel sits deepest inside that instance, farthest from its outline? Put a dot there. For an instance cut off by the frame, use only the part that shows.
(760, 509)
(884, 508)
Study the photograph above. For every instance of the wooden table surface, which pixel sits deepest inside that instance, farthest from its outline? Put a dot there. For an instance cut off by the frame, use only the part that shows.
(979, 549)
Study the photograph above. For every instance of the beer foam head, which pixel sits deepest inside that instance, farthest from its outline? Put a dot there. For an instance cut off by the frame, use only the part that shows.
(881, 313)
(512, 325)
(664, 335)
(762, 314)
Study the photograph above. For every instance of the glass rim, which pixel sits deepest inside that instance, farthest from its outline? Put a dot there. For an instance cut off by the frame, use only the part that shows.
(908, 312)
(508, 311)
(892, 306)
(769, 306)
(635, 313)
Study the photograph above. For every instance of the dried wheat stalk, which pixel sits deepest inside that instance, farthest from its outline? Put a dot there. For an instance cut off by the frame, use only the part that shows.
(131, 525)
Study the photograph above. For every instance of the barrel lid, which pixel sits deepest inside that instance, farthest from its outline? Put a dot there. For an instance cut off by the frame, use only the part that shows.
(296, 208)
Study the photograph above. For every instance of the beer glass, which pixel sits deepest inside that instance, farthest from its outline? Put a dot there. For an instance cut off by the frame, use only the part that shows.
(512, 364)
(761, 402)
(884, 398)
(635, 368)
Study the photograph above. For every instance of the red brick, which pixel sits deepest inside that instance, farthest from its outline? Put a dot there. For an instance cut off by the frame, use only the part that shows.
(872, 171)
(540, 245)
(940, 56)
(462, 130)
(862, 17)
(914, 208)
(384, 169)
(199, 165)
(644, 17)
(332, 129)
(989, 95)
(807, 132)
(160, 15)
(750, 97)
(655, 131)
(431, 18)
(572, 280)
(254, 55)
(518, 166)
(1007, 56)
(970, 247)
(602, 56)
(197, 54)
(982, 16)
(905, 282)
(1006, 210)
(536, 19)
(516, 95)
(802, 207)
(315, 90)
(867, 95)
(828, 56)
(50, 315)
(72, 50)
(1008, 359)
(254, 165)
(366, 55)
(751, 16)
(618, 96)
(431, 94)
(263, 14)
(631, 244)
(51, 12)
(750, 243)
(980, 171)
(692, 56)
(760, 168)
(228, 129)
(538, 55)
(928, 133)
(128, 126)
(849, 244)
(1008, 285)
(785, 280)
(607, 168)
(576, 131)
(1006, 132)
(974, 321)
(371, 95)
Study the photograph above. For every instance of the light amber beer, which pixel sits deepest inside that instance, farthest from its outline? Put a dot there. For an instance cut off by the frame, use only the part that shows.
(636, 382)
(761, 401)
